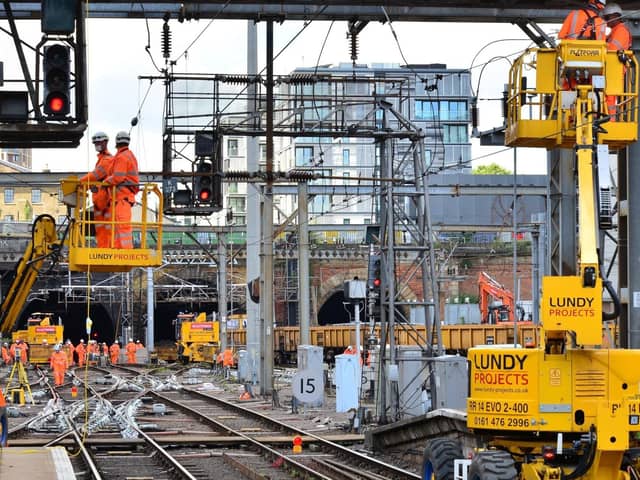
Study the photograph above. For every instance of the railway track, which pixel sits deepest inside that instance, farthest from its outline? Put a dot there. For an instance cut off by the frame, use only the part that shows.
(129, 421)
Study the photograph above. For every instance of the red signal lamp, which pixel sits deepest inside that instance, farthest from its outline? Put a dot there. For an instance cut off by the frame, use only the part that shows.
(377, 282)
(57, 104)
(204, 195)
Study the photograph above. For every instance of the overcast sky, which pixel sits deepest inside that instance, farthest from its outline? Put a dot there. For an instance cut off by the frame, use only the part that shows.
(116, 57)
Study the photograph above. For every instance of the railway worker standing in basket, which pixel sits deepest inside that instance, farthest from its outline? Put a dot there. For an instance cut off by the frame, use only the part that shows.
(131, 352)
(585, 23)
(81, 351)
(114, 352)
(618, 40)
(100, 194)
(125, 178)
(58, 364)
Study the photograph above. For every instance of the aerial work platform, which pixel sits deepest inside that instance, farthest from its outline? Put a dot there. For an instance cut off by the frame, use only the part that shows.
(544, 84)
(146, 224)
(36, 463)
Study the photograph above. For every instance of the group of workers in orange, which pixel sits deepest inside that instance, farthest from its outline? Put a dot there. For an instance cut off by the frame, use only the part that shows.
(88, 352)
(119, 171)
(590, 23)
(18, 350)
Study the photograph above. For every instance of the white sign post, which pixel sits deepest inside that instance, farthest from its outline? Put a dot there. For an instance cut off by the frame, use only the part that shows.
(308, 386)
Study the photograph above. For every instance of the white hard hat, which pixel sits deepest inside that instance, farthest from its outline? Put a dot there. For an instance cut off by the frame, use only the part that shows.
(123, 137)
(99, 137)
(57, 347)
(612, 9)
(44, 340)
(601, 2)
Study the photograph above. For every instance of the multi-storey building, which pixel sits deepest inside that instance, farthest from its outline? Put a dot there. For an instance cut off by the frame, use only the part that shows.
(22, 202)
(433, 98)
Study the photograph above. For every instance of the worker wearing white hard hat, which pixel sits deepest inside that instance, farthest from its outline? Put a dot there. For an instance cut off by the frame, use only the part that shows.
(585, 23)
(58, 364)
(124, 177)
(100, 193)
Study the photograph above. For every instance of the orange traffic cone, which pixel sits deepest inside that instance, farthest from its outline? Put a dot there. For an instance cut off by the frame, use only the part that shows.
(245, 396)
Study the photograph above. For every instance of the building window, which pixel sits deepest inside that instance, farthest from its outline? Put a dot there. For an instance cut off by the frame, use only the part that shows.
(455, 134)
(8, 218)
(62, 220)
(263, 153)
(320, 204)
(346, 176)
(453, 110)
(345, 157)
(304, 156)
(237, 204)
(367, 221)
(9, 195)
(233, 187)
(427, 110)
(441, 110)
(346, 221)
(36, 195)
(232, 147)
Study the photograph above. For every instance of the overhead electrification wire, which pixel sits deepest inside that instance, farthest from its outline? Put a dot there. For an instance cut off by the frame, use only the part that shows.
(215, 17)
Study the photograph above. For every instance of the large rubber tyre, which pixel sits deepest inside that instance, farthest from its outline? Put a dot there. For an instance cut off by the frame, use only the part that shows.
(493, 465)
(437, 462)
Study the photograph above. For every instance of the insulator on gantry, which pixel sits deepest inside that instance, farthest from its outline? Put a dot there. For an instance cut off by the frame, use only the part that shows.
(353, 45)
(166, 40)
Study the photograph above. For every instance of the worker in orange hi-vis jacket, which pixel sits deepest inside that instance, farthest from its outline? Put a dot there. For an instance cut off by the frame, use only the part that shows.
(6, 354)
(114, 352)
(19, 351)
(227, 362)
(131, 352)
(618, 40)
(81, 351)
(585, 23)
(69, 349)
(58, 363)
(100, 194)
(124, 177)
(93, 349)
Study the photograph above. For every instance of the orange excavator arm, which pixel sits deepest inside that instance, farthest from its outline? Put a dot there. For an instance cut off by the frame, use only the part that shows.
(490, 288)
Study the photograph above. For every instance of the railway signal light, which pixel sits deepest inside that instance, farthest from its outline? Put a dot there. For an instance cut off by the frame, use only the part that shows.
(203, 182)
(56, 73)
(375, 273)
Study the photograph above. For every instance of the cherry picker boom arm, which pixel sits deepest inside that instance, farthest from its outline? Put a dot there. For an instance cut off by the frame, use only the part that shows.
(44, 242)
